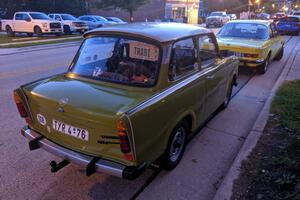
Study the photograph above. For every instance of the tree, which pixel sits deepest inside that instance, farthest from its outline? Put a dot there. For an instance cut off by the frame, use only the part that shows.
(127, 5)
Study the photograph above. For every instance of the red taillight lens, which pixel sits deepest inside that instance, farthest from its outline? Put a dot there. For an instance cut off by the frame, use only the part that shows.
(249, 55)
(20, 106)
(124, 141)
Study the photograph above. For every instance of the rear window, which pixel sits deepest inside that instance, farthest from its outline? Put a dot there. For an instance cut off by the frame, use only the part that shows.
(245, 30)
(118, 60)
(290, 19)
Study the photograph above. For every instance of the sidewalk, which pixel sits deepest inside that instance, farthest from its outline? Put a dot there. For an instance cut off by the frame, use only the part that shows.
(210, 155)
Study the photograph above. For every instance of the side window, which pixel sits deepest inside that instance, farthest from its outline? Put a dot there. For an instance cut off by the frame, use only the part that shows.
(207, 50)
(18, 17)
(25, 17)
(184, 59)
(57, 17)
(51, 16)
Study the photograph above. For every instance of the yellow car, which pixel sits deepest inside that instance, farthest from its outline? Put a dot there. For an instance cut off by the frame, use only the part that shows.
(255, 42)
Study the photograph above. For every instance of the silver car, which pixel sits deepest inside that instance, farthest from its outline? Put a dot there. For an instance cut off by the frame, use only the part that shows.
(95, 21)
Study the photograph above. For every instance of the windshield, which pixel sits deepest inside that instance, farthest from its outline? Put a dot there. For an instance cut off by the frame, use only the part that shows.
(100, 19)
(216, 14)
(245, 30)
(118, 60)
(39, 16)
(68, 17)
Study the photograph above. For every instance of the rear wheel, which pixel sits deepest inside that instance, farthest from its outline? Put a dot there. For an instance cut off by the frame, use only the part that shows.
(228, 96)
(280, 54)
(9, 32)
(264, 67)
(38, 31)
(176, 146)
(67, 30)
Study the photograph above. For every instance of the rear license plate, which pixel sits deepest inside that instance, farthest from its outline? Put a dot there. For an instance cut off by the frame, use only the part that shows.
(70, 130)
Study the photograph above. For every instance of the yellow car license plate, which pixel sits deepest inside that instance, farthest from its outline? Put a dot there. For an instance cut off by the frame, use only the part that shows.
(70, 130)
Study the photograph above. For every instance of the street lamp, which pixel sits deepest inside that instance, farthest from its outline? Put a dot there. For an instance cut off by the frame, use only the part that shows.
(258, 3)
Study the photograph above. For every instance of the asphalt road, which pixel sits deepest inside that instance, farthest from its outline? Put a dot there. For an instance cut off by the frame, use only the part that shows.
(25, 174)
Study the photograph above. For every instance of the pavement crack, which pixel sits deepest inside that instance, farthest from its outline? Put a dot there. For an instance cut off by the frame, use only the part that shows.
(242, 138)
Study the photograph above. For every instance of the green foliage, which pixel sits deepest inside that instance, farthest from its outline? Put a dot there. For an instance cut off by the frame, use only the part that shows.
(126, 5)
(286, 105)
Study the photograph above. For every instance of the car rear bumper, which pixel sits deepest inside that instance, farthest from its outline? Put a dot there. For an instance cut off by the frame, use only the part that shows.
(249, 63)
(36, 140)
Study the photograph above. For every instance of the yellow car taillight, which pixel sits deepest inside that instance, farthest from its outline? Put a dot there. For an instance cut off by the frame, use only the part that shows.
(124, 140)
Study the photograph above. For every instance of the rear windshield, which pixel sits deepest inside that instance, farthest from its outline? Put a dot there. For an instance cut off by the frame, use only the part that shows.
(290, 19)
(118, 60)
(245, 30)
(39, 16)
(217, 14)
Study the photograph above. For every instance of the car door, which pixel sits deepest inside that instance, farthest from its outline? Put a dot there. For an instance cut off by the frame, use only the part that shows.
(20, 23)
(276, 43)
(215, 73)
(27, 23)
(184, 66)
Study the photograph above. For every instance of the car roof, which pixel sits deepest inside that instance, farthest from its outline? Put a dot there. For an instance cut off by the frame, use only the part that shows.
(161, 32)
(263, 22)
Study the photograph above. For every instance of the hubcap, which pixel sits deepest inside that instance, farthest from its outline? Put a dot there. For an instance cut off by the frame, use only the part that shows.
(177, 144)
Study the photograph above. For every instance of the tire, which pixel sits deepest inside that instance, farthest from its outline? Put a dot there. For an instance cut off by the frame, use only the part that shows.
(280, 54)
(264, 67)
(29, 34)
(176, 146)
(228, 96)
(9, 32)
(67, 30)
(38, 31)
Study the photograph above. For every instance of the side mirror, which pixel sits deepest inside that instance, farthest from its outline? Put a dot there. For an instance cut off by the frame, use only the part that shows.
(28, 20)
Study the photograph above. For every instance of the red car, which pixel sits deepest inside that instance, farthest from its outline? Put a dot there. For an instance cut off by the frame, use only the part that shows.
(278, 16)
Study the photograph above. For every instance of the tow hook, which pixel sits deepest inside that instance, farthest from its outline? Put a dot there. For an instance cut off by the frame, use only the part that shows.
(55, 167)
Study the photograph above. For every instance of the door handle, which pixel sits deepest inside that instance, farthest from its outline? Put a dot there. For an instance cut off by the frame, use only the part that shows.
(210, 77)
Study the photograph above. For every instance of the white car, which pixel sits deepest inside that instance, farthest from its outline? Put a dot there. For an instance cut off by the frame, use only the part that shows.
(31, 23)
(70, 23)
(217, 19)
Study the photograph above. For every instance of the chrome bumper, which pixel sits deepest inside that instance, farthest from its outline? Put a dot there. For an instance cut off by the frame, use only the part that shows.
(103, 166)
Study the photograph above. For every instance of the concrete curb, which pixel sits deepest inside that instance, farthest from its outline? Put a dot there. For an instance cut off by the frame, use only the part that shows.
(38, 41)
(225, 190)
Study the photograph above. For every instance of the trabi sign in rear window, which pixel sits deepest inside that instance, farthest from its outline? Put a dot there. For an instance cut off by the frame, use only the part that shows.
(143, 51)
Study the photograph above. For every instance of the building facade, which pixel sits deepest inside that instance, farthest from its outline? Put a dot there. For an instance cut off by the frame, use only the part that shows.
(180, 10)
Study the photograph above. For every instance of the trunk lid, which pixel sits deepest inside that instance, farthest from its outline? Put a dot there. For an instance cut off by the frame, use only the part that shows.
(241, 45)
(89, 106)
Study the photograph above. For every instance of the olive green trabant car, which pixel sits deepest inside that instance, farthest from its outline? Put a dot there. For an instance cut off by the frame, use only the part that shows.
(133, 93)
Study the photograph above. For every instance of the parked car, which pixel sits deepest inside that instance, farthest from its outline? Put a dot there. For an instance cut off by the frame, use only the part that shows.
(289, 25)
(263, 16)
(255, 42)
(116, 20)
(95, 21)
(297, 13)
(31, 23)
(124, 101)
(70, 23)
(217, 19)
(278, 16)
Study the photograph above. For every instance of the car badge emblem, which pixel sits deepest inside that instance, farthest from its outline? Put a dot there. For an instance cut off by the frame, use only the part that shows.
(62, 102)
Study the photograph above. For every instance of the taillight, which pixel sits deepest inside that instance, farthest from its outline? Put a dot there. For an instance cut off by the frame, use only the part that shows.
(249, 55)
(20, 106)
(124, 140)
